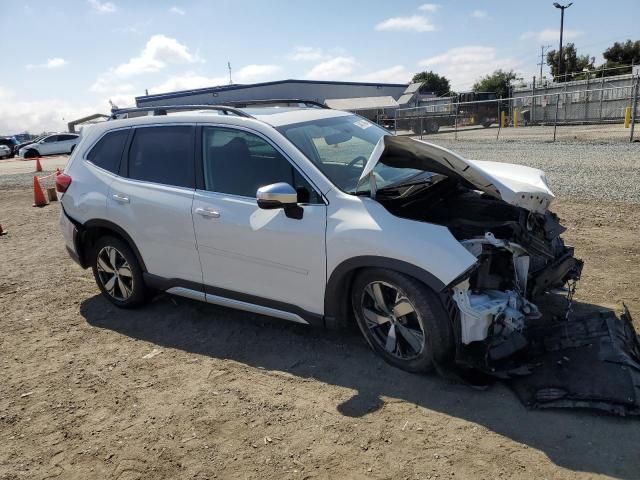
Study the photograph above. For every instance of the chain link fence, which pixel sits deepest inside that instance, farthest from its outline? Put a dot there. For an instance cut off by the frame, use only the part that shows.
(600, 108)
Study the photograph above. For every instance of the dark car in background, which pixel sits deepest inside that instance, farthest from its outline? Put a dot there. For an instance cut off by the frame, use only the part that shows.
(11, 143)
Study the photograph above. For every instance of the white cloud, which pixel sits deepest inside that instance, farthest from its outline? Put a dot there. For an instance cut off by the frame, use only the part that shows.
(306, 54)
(333, 69)
(109, 84)
(395, 74)
(37, 116)
(159, 52)
(188, 81)
(429, 7)
(191, 80)
(550, 35)
(256, 73)
(51, 63)
(481, 14)
(177, 11)
(464, 65)
(416, 23)
(103, 7)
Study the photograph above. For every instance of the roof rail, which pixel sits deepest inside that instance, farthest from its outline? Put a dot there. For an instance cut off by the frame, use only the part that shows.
(163, 109)
(293, 102)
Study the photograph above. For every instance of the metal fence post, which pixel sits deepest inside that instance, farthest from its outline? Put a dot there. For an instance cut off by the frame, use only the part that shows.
(533, 100)
(634, 106)
(601, 91)
(499, 120)
(421, 128)
(555, 122)
(455, 135)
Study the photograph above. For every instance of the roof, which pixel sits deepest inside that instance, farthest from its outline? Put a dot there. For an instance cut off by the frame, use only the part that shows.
(413, 87)
(361, 103)
(277, 117)
(406, 98)
(226, 88)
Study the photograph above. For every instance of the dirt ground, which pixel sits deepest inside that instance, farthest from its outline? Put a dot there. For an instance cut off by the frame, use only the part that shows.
(181, 389)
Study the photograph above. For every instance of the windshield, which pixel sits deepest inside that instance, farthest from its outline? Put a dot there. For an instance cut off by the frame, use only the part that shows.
(340, 147)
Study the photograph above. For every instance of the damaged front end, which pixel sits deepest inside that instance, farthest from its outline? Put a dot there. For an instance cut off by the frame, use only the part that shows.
(504, 309)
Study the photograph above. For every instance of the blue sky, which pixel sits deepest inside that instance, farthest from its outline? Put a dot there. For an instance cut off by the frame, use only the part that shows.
(70, 57)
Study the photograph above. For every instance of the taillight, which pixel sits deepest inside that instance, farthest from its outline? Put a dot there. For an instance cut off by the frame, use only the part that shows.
(62, 182)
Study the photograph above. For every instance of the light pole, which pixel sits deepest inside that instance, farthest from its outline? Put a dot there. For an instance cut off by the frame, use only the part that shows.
(562, 9)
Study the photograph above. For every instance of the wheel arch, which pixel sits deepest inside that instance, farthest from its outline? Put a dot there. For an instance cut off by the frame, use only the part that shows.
(92, 230)
(337, 305)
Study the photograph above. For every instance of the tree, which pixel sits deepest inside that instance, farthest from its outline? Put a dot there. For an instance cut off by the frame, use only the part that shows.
(621, 54)
(572, 63)
(432, 82)
(497, 82)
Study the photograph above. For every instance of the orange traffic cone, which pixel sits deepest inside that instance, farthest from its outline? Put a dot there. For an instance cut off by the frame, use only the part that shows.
(58, 172)
(38, 194)
(38, 166)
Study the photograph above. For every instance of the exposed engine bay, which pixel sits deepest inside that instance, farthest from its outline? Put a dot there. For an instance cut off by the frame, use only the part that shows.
(502, 331)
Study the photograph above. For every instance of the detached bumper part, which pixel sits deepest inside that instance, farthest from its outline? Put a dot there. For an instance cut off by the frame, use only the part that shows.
(586, 362)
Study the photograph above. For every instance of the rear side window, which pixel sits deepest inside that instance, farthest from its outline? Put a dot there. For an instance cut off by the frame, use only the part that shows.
(163, 155)
(108, 151)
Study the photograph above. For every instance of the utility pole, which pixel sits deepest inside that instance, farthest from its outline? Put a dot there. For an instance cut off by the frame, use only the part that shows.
(229, 67)
(541, 64)
(562, 9)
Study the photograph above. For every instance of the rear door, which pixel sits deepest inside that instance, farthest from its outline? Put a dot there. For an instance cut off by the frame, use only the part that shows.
(259, 256)
(48, 145)
(152, 197)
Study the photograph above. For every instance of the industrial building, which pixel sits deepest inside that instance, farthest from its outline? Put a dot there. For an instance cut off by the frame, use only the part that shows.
(319, 91)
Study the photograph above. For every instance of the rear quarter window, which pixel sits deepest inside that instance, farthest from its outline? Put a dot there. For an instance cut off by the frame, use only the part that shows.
(108, 151)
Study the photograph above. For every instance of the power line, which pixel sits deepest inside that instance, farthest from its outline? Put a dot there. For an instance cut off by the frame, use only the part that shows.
(541, 64)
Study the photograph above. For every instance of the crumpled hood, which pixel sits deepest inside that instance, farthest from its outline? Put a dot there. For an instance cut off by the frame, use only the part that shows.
(518, 185)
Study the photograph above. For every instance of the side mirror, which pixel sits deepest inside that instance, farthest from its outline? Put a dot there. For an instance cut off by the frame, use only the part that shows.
(280, 195)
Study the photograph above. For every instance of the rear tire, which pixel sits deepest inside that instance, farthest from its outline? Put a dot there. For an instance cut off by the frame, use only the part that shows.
(118, 273)
(402, 319)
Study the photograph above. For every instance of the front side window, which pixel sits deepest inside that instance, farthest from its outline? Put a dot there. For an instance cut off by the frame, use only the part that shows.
(239, 162)
(340, 147)
(108, 151)
(51, 139)
(163, 155)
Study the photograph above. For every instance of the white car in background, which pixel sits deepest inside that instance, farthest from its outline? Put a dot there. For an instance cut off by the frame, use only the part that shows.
(54, 144)
(5, 152)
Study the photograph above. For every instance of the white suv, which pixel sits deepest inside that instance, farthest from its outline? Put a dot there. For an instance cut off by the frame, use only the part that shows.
(317, 216)
(54, 144)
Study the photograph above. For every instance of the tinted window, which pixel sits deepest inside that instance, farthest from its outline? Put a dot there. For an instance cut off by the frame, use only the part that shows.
(163, 155)
(67, 137)
(108, 151)
(239, 163)
(52, 138)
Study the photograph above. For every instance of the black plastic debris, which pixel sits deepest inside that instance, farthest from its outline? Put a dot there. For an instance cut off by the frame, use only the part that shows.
(586, 362)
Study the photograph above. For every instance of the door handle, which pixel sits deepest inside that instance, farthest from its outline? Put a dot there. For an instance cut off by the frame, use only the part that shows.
(207, 212)
(120, 198)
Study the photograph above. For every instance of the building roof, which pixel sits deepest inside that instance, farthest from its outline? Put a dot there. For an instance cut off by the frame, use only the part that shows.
(406, 98)
(361, 103)
(225, 88)
(413, 87)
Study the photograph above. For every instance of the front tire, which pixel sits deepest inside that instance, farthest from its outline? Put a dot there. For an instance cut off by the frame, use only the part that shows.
(31, 154)
(118, 273)
(402, 319)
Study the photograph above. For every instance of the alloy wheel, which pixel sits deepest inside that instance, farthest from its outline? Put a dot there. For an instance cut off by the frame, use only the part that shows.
(393, 321)
(115, 273)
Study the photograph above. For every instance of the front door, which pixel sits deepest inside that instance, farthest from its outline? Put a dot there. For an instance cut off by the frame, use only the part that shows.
(258, 256)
